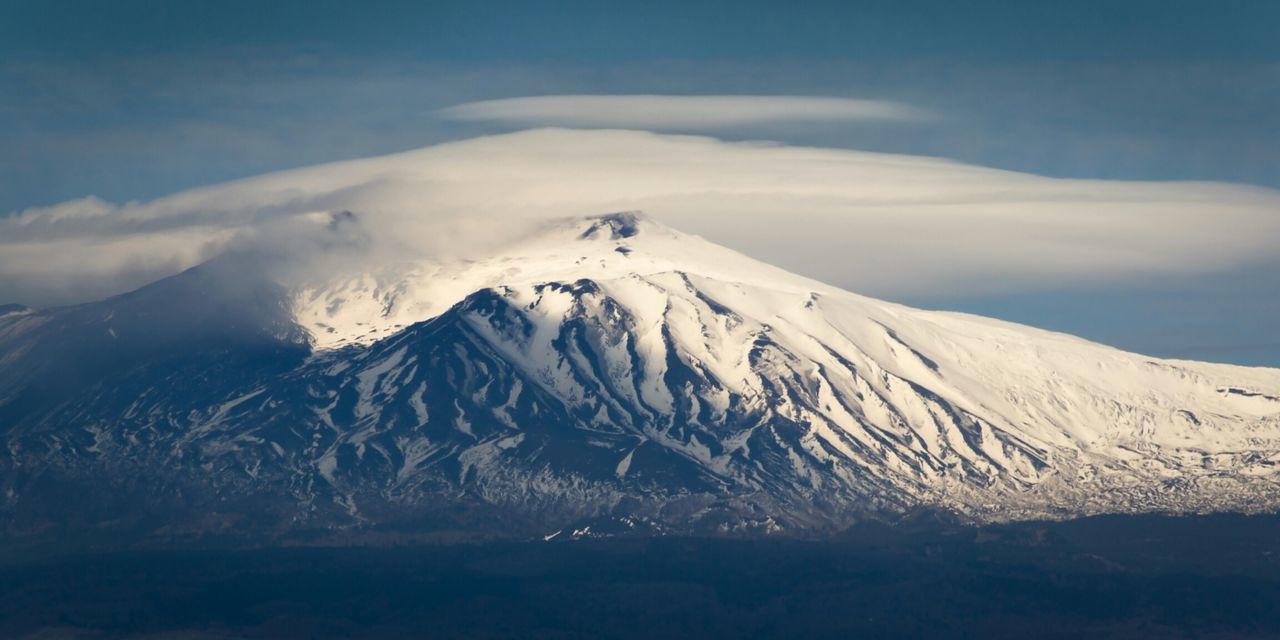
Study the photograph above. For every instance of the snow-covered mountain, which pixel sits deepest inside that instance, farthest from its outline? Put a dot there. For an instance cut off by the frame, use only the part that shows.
(602, 370)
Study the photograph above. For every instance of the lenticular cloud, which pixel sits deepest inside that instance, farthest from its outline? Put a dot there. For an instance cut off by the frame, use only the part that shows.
(877, 223)
(659, 111)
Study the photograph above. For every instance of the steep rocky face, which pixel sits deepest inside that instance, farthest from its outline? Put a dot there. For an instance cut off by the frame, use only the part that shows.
(608, 370)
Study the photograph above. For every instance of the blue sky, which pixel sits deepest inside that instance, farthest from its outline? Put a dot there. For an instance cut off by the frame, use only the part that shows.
(133, 100)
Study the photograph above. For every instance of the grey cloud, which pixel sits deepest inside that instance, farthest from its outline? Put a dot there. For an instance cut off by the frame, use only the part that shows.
(658, 112)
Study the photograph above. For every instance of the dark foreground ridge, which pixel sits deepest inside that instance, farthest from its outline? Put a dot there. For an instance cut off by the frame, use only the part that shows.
(1116, 577)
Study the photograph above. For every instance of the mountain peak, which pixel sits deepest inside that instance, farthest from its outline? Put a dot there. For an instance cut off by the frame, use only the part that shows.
(615, 226)
(362, 308)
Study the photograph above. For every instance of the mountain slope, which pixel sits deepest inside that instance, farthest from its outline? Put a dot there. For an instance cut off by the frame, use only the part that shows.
(614, 368)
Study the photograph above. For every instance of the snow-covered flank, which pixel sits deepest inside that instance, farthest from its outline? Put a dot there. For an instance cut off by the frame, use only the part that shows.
(978, 415)
(612, 367)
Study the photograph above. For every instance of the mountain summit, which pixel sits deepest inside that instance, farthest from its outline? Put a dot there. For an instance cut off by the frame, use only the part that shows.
(603, 371)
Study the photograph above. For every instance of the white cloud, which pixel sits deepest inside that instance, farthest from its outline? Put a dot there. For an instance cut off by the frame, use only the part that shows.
(880, 224)
(678, 112)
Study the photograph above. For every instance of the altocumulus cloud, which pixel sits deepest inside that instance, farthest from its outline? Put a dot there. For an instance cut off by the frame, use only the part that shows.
(680, 112)
(876, 223)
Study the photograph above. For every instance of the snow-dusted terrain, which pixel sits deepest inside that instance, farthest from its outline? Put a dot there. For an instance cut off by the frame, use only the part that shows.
(602, 370)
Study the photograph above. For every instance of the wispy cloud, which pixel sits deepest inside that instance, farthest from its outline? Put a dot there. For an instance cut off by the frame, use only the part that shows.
(679, 112)
(876, 223)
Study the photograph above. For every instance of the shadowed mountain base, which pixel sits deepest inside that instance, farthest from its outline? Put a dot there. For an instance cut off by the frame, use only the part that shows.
(1116, 576)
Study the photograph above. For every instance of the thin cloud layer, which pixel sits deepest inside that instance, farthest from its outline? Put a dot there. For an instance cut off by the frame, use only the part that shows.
(887, 225)
(659, 112)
